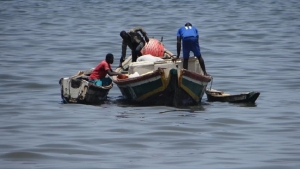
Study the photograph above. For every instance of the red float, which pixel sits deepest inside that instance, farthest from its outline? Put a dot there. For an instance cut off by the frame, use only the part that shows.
(154, 47)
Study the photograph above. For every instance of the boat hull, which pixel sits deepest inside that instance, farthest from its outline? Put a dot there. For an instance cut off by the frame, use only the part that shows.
(180, 88)
(214, 95)
(77, 89)
(139, 88)
(193, 84)
(162, 82)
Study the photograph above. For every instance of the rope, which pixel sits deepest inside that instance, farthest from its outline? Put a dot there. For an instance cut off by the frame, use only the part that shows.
(211, 83)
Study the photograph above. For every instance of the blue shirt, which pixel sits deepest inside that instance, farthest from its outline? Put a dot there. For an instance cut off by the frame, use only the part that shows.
(187, 31)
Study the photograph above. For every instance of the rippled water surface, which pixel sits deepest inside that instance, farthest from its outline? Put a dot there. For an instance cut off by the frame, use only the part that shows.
(246, 45)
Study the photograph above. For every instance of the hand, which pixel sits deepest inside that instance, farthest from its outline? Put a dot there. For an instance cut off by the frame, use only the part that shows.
(206, 74)
(146, 39)
(175, 59)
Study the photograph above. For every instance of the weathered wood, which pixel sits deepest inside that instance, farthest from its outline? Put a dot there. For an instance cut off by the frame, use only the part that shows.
(77, 89)
(216, 95)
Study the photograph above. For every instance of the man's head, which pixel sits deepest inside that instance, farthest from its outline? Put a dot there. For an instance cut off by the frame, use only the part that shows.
(188, 24)
(109, 58)
(123, 34)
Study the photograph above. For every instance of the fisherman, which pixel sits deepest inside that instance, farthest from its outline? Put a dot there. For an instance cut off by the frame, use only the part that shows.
(98, 76)
(190, 42)
(134, 41)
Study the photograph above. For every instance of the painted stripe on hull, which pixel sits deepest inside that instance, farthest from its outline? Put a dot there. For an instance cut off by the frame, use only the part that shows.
(141, 90)
(141, 82)
(193, 87)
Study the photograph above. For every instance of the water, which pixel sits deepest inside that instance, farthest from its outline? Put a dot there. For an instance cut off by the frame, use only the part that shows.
(246, 45)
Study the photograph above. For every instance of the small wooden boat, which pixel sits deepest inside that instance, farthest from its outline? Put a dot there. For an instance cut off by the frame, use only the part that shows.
(216, 95)
(77, 89)
(162, 82)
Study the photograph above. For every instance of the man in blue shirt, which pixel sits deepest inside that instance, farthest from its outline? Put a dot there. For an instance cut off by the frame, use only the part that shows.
(190, 42)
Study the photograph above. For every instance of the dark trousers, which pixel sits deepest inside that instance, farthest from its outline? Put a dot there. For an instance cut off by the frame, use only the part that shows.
(137, 51)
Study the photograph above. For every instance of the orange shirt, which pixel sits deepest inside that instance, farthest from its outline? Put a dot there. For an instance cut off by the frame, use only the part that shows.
(100, 71)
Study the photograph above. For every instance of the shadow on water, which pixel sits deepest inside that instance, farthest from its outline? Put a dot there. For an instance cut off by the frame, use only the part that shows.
(229, 104)
(190, 109)
(120, 101)
(245, 104)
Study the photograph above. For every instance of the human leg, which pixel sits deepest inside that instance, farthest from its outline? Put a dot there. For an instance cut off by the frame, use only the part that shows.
(137, 51)
(195, 47)
(97, 82)
(133, 55)
(185, 63)
(202, 64)
(106, 81)
(186, 52)
(196, 50)
(139, 48)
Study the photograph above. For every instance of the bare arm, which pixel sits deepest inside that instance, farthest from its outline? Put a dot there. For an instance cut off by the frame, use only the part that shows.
(139, 28)
(178, 46)
(112, 73)
(124, 47)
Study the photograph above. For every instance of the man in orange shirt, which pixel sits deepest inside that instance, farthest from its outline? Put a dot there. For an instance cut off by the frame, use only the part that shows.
(98, 76)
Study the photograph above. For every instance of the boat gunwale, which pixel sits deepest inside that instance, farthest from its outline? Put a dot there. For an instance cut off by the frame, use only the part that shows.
(155, 73)
(196, 76)
(83, 78)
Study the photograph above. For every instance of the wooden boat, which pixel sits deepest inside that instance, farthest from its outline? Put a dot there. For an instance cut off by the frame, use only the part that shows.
(216, 95)
(162, 82)
(77, 89)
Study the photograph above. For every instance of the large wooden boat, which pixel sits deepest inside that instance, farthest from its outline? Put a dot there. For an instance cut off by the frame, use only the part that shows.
(77, 89)
(162, 82)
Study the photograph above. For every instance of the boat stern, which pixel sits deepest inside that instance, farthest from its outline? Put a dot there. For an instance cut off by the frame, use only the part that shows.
(73, 90)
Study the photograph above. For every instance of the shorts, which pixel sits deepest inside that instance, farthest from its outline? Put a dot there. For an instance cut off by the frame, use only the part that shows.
(101, 82)
(190, 44)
